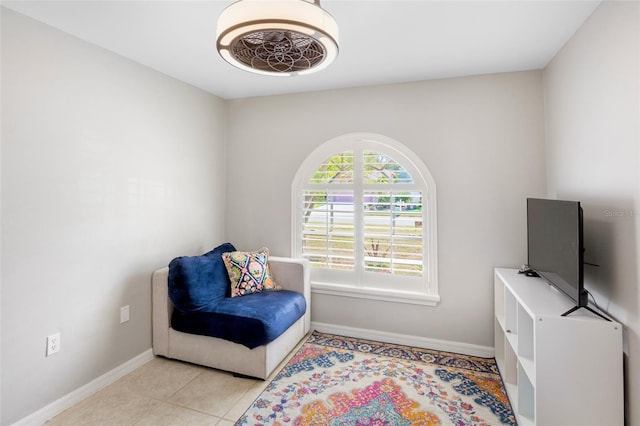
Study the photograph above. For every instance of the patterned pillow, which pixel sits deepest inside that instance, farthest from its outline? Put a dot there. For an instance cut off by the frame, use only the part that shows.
(249, 272)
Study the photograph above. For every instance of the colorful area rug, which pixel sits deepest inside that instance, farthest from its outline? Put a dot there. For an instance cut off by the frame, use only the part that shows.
(334, 380)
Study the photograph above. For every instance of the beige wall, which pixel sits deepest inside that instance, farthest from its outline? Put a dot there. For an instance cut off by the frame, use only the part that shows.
(482, 138)
(592, 95)
(109, 170)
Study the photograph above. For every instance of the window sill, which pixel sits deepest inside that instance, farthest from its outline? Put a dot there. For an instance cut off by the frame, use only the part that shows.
(408, 297)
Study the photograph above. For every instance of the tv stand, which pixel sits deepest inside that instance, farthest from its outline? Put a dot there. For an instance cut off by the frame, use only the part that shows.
(557, 369)
(575, 308)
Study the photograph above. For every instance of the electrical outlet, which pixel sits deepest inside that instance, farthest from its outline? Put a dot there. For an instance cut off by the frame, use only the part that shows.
(124, 314)
(53, 344)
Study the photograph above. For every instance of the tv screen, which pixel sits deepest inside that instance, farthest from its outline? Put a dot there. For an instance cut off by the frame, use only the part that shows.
(555, 245)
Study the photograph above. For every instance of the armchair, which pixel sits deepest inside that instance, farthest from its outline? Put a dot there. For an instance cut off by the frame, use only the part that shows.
(259, 362)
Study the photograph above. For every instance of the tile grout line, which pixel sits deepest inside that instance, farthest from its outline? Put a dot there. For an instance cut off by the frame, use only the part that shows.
(224, 417)
(204, 412)
(166, 400)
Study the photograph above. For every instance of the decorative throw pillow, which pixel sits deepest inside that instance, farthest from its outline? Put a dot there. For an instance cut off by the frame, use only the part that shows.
(249, 272)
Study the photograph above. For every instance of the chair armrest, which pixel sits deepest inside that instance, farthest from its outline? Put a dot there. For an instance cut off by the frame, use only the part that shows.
(290, 274)
(293, 274)
(161, 308)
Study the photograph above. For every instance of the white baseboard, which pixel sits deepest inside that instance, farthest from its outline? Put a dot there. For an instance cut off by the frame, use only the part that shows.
(404, 339)
(69, 400)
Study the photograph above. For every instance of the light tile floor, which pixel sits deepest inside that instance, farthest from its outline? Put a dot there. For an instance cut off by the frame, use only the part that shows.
(168, 392)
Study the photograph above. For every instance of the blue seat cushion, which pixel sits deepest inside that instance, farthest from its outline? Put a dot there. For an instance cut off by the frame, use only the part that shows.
(198, 283)
(251, 320)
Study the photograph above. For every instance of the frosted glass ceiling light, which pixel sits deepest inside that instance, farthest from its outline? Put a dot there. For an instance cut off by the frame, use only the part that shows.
(277, 37)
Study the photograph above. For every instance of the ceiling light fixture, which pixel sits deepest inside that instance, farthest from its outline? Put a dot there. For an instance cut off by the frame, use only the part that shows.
(277, 37)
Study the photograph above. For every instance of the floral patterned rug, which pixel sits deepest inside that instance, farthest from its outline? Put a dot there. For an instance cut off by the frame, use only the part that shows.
(335, 380)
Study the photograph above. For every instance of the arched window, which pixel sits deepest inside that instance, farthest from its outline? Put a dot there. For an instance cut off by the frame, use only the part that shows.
(364, 210)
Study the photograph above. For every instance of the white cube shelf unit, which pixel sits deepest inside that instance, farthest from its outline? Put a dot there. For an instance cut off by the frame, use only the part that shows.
(558, 370)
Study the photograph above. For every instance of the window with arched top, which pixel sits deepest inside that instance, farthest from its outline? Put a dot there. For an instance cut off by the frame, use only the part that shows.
(364, 210)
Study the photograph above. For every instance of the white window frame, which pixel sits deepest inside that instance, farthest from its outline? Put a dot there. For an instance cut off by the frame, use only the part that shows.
(329, 281)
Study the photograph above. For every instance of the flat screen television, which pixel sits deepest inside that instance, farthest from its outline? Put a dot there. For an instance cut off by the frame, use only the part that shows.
(555, 245)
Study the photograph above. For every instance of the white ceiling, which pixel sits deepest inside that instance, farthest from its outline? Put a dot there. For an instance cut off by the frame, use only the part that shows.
(381, 42)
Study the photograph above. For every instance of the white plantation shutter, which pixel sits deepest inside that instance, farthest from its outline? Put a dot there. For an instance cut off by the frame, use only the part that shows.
(327, 234)
(393, 232)
(365, 219)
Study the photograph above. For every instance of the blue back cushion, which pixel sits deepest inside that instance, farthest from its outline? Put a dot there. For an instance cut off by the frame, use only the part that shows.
(198, 283)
